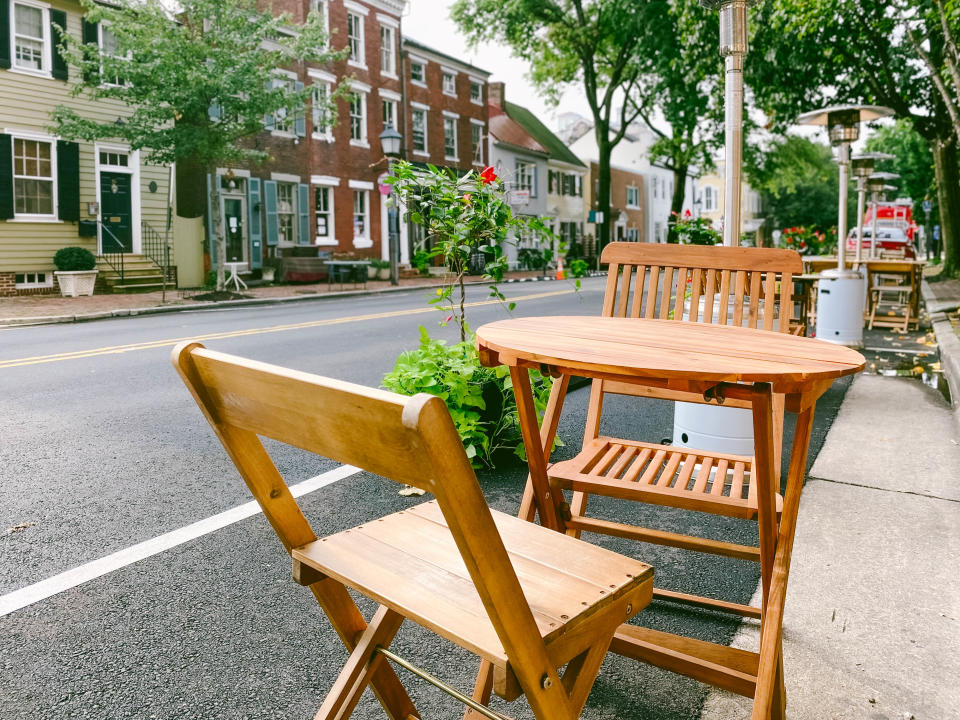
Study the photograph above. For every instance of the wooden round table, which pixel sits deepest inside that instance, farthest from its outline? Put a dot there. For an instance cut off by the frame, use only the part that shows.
(720, 361)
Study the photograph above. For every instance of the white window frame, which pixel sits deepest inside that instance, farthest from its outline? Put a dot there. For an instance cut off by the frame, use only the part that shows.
(359, 90)
(322, 7)
(448, 72)
(635, 190)
(27, 284)
(633, 234)
(325, 184)
(452, 118)
(320, 79)
(709, 198)
(357, 12)
(101, 26)
(422, 62)
(392, 104)
(477, 125)
(35, 137)
(414, 109)
(294, 213)
(280, 117)
(522, 167)
(390, 28)
(45, 59)
(479, 83)
(364, 240)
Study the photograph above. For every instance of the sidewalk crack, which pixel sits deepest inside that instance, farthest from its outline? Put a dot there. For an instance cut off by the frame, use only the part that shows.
(873, 487)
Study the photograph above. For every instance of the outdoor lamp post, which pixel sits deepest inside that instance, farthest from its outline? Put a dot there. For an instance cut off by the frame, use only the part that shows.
(733, 48)
(862, 166)
(876, 184)
(391, 142)
(841, 293)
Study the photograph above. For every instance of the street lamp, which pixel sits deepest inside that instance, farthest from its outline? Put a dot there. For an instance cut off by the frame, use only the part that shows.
(841, 294)
(876, 184)
(733, 48)
(391, 142)
(862, 166)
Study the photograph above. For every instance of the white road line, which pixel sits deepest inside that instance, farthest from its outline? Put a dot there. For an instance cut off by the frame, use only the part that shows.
(11, 602)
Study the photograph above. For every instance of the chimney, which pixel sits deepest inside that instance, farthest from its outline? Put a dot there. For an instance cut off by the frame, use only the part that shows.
(495, 94)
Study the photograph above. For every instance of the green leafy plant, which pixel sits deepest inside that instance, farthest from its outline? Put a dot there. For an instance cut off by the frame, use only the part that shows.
(693, 231)
(379, 264)
(421, 261)
(808, 241)
(480, 399)
(579, 268)
(73, 259)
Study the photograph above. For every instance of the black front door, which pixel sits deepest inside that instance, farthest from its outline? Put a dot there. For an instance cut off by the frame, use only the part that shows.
(116, 213)
(233, 212)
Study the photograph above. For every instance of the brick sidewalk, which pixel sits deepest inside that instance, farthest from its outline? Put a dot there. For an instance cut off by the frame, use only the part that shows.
(49, 308)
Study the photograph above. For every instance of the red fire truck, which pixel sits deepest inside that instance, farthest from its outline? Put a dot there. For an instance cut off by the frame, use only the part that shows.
(895, 226)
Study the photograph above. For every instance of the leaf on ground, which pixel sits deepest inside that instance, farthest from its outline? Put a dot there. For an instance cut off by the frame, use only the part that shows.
(411, 491)
(19, 527)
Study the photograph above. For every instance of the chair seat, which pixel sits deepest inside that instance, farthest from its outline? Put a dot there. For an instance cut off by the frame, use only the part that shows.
(409, 562)
(663, 475)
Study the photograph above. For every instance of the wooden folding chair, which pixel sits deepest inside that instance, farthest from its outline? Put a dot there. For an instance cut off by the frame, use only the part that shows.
(527, 600)
(744, 286)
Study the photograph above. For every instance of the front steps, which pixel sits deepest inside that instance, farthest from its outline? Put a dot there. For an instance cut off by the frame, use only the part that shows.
(140, 274)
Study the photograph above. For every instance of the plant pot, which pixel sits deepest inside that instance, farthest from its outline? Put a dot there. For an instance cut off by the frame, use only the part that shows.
(267, 274)
(383, 273)
(372, 272)
(74, 283)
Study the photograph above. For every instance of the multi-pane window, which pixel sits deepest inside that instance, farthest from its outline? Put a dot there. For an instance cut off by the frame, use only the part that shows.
(321, 111)
(449, 84)
(32, 177)
(570, 184)
(526, 177)
(283, 122)
(355, 37)
(709, 199)
(114, 158)
(389, 113)
(109, 48)
(322, 8)
(476, 91)
(33, 280)
(419, 127)
(287, 212)
(388, 53)
(418, 72)
(324, 210)
(476, 142)
(361, 225)
(633, 196)
(29, 37)
(358, 111)
(633, 234)
(450, 138)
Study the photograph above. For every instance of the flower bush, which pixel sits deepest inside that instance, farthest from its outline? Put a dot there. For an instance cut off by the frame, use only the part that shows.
(694, 231)
(808, 241)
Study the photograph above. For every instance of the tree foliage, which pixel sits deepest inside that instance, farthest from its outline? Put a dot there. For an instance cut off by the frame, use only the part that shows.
(913, 162)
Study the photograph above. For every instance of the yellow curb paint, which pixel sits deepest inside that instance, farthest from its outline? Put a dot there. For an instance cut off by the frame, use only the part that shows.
(119, 349)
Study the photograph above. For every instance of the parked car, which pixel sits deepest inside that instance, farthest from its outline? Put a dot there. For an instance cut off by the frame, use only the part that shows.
(891, 240)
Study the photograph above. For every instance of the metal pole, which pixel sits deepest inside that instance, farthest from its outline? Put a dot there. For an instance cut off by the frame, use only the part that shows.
(733, 47)
(393, 231)
(873, 234)
(861, 202)
(844, 162)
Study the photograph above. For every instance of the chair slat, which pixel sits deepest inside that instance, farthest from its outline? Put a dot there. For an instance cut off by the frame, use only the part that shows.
(650, 310)
(736, 486)
(695, 295)
(669, 470)
(642, 458)
(724, 295)
(769, 300)
(786, 301)
(739, 290)
(704, 475)
(610, 294)
(623, 461)
(681, 296)
(709, 290)
(624, 290)
(638, 291)
(665, 294)
(683, 479)
(720, 477)
(754, 299)
(650, 474)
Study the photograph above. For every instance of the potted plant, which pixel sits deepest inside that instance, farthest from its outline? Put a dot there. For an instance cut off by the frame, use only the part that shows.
(381, 268)
(76, 271)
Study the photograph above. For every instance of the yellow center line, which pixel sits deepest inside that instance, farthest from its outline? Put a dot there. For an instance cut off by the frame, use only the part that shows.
(153, 344)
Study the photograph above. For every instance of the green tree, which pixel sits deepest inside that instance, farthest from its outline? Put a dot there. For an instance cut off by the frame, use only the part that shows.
(810, 53)
(913, 162)
(684, 83)
(798, 180)
(197, 86)
(594, 43)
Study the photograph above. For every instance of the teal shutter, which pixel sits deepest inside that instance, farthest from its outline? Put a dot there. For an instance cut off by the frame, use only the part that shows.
(300, 122)
(270, 211)
(215, 111)
(303, 210)
(58, 65)
(6, 176)
(4, 33)
(68, 180)
(91, 36)
(255, 212)
(211, 237)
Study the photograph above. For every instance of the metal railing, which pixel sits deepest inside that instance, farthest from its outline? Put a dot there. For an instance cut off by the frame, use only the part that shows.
(155, 247)
(115, 258)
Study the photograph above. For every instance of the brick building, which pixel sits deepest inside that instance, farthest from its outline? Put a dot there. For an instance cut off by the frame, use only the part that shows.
(319, 190)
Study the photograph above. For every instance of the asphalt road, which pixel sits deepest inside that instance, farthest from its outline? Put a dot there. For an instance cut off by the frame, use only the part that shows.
(101, 448)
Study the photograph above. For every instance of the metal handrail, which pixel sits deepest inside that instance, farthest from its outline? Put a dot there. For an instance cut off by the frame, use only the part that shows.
(155, 247)
(113, 259)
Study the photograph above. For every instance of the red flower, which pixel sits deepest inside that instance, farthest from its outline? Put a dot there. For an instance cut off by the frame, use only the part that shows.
(488, 175)
(686, 213)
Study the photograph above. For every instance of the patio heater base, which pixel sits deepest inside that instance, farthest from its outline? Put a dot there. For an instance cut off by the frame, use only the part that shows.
(840, 302)
(713, 429)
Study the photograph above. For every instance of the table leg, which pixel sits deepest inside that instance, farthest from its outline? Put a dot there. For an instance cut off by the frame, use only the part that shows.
(546, 504)
(548, 433)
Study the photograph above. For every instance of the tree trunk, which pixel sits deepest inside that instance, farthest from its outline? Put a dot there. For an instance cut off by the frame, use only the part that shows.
(603, 184)
(948, 193)
(219, 236)
(676, 204)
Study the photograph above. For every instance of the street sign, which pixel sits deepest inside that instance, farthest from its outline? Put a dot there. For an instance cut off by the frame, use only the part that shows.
(927, 206)
(520, 197)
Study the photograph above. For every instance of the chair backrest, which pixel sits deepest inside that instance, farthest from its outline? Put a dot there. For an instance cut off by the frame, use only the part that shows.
(407, 439)
(751, 287)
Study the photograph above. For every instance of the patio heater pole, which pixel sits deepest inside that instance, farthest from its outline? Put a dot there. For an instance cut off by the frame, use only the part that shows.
(863, 165)
(875, 185)
(733, 48)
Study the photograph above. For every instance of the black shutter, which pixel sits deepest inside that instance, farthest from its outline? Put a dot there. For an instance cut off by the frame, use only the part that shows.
(59, 65)
(6, 177)
(4, 33)
(91, 36)
(68, 180)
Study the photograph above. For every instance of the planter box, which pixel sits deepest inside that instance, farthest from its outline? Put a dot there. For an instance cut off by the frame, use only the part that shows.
(74, 283)
(383, 273)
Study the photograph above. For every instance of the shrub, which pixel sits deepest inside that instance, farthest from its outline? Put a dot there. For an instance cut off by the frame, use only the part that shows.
(74, 258)
(421, 261)
(808, 241)
(579, 268)
(379, 264)
(480, 399)
(694, 231)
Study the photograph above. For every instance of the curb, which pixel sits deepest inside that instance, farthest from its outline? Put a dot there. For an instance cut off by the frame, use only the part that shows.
(251, 302)
(949, 346)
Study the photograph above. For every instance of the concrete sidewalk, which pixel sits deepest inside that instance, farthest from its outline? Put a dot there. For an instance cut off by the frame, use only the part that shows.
(872, 624)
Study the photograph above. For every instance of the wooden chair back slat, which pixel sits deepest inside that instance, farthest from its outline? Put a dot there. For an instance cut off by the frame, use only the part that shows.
(665, 294)
(770, 301)
(739, 287)
(786, 302)
(724, 293)
(610, 293)
(407, 439)
(624, 299)
(696, 288)
(652, 289)
(681, 296)
(638, 293)
(754, 315)
(709, 291)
